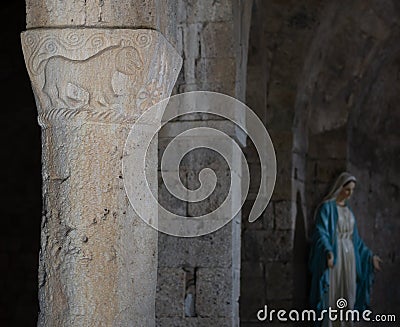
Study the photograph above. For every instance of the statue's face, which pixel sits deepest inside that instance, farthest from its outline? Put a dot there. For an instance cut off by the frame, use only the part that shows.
(347, 191)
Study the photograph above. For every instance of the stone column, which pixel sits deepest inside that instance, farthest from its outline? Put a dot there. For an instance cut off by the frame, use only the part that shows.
(98, 260)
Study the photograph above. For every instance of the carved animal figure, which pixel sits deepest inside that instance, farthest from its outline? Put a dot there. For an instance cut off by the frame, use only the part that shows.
(75, 84)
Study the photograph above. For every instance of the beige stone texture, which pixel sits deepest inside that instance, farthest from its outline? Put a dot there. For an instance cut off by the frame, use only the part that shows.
(98, 259)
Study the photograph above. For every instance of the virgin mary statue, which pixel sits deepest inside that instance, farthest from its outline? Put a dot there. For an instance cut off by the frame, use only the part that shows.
(341, 264)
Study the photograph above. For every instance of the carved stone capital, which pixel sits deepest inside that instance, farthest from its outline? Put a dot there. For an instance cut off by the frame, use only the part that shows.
(98, 75)
(98, 263)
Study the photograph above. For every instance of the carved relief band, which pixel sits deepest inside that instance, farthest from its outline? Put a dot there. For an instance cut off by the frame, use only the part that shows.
(106, 75)
(98, 260)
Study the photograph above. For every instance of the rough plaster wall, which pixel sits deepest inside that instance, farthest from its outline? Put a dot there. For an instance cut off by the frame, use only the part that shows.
(374, 150)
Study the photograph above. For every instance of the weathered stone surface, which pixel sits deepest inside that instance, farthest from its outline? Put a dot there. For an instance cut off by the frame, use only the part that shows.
(252, 298)
(153, 14)
(253, 245)
(107, 69)
(282, 190)
(216, 199)
(215, 40)
(281, 100)
(248, 204)
(207, 28)
(268, 217)
(173, 128)
(299, 173)
(373, 157)
(166, 199)
(205, 11)
(214, 298)
(191, 45)
(265, 221)
(284, 215)
(193, 322)
(279, 281)
(170, 292)
(332, 64)
(255, 170)
(214, 70)
(252, 269)
(282, 140)
(328, 145)
(212, 250)
(327, 170)
(89, 85)
(250, 323)
(253, 290)
(264, 246)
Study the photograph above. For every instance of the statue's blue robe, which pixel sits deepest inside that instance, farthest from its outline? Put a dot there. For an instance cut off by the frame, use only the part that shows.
(324, 240)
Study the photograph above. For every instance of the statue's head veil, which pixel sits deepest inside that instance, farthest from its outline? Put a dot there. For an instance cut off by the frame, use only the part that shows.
(343, 179)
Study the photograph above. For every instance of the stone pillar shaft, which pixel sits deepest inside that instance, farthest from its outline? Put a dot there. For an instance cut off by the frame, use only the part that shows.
(98, 260)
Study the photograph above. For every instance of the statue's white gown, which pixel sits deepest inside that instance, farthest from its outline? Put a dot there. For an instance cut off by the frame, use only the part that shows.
(343, 274)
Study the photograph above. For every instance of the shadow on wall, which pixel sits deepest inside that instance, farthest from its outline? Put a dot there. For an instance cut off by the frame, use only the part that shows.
(301, 277)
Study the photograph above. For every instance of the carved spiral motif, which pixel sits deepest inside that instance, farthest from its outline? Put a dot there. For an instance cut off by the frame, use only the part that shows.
(82, 47)
(30, 40)
(97, 41)
(41, 50)
(73, 39)
(50, 47)
(143, 40)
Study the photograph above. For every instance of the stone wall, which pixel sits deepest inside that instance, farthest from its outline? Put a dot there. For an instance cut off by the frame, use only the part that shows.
(279, 38)
(203, 272)
(321, 75)
(321, 71)
(348, 77)
(373, 157)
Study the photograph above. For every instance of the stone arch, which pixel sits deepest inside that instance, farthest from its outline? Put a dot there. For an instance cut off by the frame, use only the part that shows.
(374, 144)
(333, 72)
(279, 37)
(345, 118)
